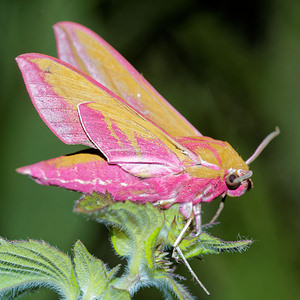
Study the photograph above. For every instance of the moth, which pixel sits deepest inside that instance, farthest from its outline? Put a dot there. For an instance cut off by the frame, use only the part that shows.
(141, 148)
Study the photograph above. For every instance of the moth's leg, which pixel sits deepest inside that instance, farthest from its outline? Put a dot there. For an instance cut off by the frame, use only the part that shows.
(164, 202)
(180, 236)
(191, 270)
(221, 206)
(197, 215)
(186, 226)
(186, 209)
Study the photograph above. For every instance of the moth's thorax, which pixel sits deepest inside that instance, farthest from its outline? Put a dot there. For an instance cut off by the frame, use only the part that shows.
(217, 154)
(217, 161)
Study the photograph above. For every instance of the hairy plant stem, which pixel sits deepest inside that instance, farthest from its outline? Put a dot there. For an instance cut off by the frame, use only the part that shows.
(133, 274)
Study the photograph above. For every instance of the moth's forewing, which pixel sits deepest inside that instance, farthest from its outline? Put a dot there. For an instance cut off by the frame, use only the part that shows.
(88, 52)
(127, 137)
(108, 123)
(55, 90)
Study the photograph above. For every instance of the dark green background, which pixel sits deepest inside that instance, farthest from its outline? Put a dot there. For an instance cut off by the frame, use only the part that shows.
(231, 67)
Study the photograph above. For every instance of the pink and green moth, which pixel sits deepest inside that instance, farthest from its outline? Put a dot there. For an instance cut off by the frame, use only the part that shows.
(143, 149)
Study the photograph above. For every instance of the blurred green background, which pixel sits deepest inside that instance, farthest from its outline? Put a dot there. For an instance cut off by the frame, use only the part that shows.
(231, 67)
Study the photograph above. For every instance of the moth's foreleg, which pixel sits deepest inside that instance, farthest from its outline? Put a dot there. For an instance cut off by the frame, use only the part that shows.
(198, 218)
(221, 206)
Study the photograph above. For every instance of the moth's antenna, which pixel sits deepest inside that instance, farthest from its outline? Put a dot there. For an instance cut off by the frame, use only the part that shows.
(263, 145)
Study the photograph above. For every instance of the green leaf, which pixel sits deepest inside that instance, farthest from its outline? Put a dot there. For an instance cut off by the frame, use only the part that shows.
(112, 273)
(116, 294)
(135, 226)
(217, 244)
(175, 287)
(91, 273)
(29, 264)
(136, 234)
(90, 203)
(133, 218)
(208, 244)
(143, 233)
(121, 241)
(149, 246)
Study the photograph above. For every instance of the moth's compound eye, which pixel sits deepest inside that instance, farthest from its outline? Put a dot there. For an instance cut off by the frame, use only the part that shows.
(250, 184)
(231, 181)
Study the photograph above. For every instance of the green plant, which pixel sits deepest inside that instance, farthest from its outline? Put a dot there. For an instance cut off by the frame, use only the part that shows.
(141, 233)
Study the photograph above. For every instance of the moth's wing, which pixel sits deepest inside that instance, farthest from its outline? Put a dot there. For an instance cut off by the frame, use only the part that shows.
(50, 86)
(126, 137)
(106, 121)
(85, 50)
(83, 172)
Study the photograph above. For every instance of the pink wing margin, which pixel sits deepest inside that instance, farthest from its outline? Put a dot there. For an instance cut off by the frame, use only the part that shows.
(85, 50)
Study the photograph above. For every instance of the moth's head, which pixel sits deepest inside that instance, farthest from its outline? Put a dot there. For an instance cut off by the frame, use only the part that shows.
(238, 182)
